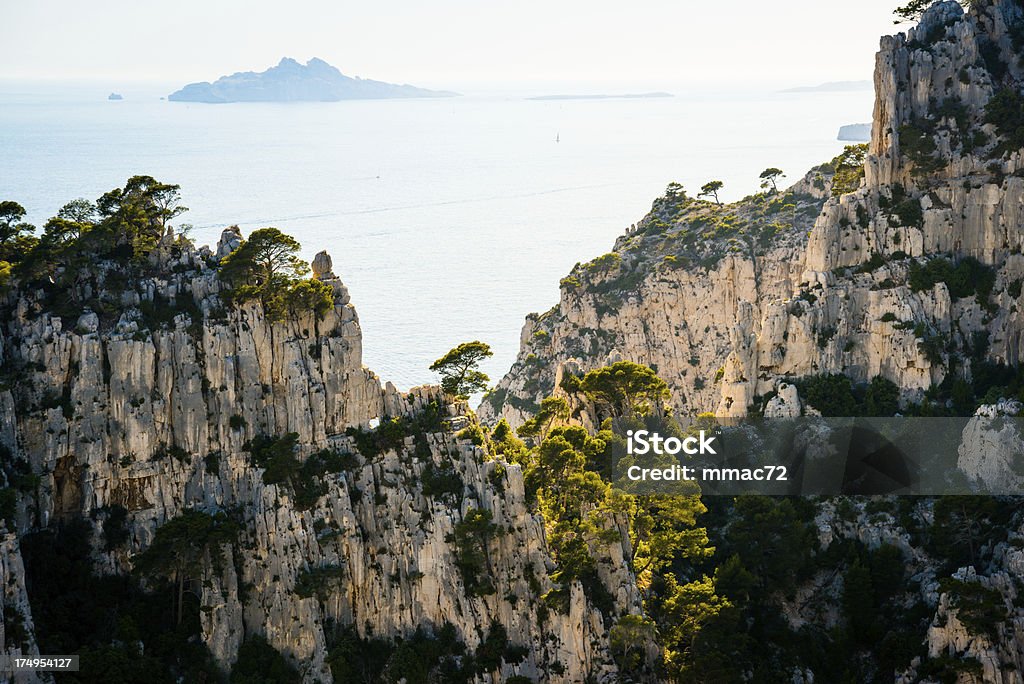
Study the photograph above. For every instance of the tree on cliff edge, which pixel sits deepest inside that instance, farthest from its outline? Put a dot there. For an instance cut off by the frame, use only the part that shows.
(710, 189)
(15, 234)
(267, 267)
(459, 369)
(267, 255)
(769, 177)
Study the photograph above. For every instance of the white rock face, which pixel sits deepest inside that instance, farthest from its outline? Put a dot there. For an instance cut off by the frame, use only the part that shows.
(998, 652)
(155, 417)
(785, 404)
(230, 239)
(725, 333)
(992, 449)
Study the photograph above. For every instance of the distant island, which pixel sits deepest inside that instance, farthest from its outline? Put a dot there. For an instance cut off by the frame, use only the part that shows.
(855, 133)
(115, 96)
(833, 87)
(632, 96)
(290, 81)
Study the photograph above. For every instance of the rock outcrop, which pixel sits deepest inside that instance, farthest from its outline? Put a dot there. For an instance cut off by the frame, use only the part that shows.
(151, 410)
(727, 303)
(905, 266)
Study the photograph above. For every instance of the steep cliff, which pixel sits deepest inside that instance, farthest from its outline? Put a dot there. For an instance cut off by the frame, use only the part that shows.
(130, 416)
(896, 266)
(728, 302)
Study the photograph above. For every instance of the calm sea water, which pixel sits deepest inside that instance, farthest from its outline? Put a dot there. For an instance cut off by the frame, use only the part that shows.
(449, 220)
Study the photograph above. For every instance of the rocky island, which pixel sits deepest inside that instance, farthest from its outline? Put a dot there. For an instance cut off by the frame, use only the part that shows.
(201, 481)
(290, 81)
(855, 133)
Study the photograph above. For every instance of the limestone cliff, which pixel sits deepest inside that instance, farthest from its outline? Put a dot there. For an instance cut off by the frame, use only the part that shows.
(906, 267)
(728, 302)
(150, 408)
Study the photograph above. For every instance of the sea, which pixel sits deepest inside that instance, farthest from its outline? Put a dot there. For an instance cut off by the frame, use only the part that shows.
(448, 219)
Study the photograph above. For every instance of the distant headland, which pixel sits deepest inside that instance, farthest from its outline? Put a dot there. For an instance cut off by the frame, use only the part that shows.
(636, 96)
(290, 81)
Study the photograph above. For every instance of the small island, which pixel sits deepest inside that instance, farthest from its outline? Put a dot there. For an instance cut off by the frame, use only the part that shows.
(114, 97)
(290, 81)
(855, 133)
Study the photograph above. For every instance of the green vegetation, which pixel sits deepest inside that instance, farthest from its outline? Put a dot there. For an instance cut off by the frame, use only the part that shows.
(917, 142)
(421, 657)
(505, 444)
(15, 235)
(267, 267)
(121, 632)
(276, 455)
(567, 475)
(903, 208)
(710, 189)
(390, 435)
(968, 277)
(979, 609)
(836, 396)
(182, 546)
(319, 581)
(625, 389)
(1006, 111)
(848, 169)
(471, 538)
(16, 477)
(628, 640)
(459, 369)
(769, 178)
(90, 253)
(552, 409)
(260, 663)
(442, 483)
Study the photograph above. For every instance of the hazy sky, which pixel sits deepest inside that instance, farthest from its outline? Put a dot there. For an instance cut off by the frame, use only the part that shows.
(450, 43)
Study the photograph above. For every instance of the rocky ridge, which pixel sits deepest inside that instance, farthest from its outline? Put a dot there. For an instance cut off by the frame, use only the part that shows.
(733, 306)
(151, 409)
(805, 282)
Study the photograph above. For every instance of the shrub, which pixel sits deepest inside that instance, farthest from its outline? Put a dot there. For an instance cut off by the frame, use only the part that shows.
(174, 451)
(830, 394)
(978, 608)
(968, 277)
(471, 537)
(318, 581)
(115, 529)
(1006, 111)
(882, 398)
(260, 663)
(310, 295)
(442, 482)
(918, 144)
